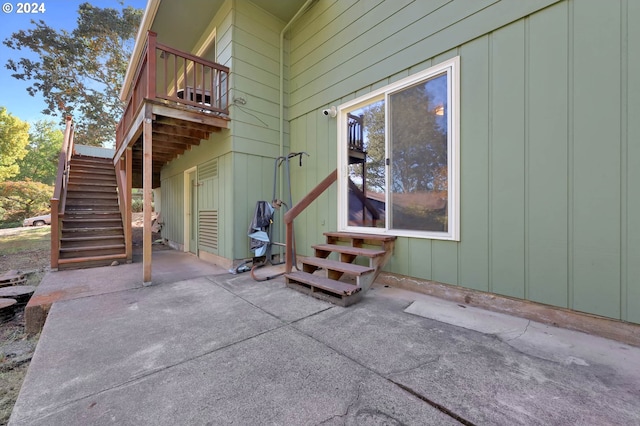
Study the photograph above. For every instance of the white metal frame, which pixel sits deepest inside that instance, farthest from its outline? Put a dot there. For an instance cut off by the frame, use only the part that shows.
(452, 67)
(188, 202)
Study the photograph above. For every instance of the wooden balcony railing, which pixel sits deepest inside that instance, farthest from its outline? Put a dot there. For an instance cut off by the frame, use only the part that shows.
(60, 192)
(175, 77)
(355, 131)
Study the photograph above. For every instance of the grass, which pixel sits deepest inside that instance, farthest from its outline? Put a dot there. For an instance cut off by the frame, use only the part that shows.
(11, 381)
(4, 225)
(26, 240)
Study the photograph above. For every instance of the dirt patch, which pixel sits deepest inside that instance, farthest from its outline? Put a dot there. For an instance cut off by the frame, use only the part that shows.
(26, 250)
(16, 351)
(137, 230)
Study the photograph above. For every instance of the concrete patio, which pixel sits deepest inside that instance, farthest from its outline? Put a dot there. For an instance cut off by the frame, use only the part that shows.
(201, 346)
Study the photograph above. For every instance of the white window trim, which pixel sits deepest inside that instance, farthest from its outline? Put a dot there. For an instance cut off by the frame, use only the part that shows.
(452, 66)
(186, 208)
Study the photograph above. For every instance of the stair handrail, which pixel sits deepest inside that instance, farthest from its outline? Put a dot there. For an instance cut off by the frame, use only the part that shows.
(298, 208)
(124, 199)
(59, 198)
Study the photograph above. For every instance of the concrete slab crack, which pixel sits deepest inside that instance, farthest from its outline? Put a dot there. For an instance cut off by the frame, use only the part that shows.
(436, 359)
(434, 404)
(265, 311)
(353, 402)
(418, 395)
(521, 334)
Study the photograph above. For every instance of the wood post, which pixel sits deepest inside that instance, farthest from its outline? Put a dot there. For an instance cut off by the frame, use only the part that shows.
(147, 193)
(151, 65)
(55, 233)
(128, 184)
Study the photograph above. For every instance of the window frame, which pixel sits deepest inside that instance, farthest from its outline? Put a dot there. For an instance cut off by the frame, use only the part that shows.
(452, 68)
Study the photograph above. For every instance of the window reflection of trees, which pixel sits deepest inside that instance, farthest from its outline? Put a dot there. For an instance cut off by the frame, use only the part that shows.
(419, 157)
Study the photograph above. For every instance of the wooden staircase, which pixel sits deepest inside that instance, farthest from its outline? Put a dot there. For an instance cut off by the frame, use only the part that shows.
(92, 232)
(341, 281)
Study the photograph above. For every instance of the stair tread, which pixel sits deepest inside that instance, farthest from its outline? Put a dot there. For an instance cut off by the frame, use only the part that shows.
(106, 189)
(87, 209)
(349, 268)
(93, 238)
(93, 171)
(360, 236)
(83, 192)
(326, 284)
(92, 258)
(101, 219)
(74, 213)
(87, 157)
(93, 229)
(93, 158)
(87, 167)
(91, 248)
(94, 203)
(82, 170)
(357, 251)
(84, 195)
(106, 183)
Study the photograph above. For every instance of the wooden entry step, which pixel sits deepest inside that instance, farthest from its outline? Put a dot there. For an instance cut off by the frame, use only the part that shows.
(333, 291)
(341, 281)
(90, 261)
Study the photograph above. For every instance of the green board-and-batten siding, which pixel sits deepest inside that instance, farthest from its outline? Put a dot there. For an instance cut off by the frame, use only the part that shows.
(256, 81)
(247, 42)
(550, 197)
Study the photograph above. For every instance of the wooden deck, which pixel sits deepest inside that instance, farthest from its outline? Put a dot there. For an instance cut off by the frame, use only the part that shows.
(176, 101)
(181, 98)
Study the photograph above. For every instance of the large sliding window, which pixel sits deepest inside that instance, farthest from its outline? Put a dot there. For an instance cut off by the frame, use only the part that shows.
(398, 154)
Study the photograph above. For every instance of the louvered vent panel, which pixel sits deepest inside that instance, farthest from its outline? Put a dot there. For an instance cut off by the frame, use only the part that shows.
(208, 170)
(208, 229)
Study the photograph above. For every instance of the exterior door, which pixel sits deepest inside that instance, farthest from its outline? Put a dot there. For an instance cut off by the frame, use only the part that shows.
(366, 175)
(193, 212)
(399, 169)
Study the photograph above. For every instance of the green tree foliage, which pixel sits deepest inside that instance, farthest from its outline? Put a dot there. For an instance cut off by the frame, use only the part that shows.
(24, 199)
(80, 73)
(418, 152)
(419, 142)
(41, 162)
(374, 124)
(14, 137)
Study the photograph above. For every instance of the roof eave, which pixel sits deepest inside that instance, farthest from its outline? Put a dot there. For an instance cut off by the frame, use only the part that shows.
(147, 20)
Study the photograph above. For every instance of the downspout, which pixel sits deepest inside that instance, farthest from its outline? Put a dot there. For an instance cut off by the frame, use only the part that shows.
(299, 13)
(303, 9)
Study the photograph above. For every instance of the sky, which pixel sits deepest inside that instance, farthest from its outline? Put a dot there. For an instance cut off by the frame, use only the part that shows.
(58, 14)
